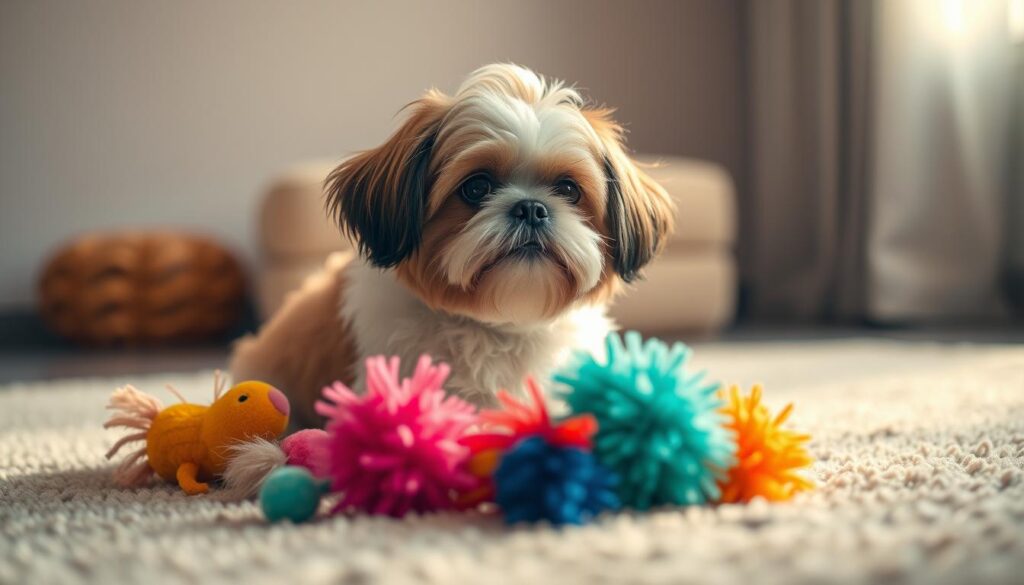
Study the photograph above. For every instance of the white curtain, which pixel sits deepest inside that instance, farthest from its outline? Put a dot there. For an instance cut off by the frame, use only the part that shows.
(940, 180)
(880, 182)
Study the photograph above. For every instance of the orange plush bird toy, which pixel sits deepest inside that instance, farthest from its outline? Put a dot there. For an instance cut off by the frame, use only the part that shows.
(190, 444)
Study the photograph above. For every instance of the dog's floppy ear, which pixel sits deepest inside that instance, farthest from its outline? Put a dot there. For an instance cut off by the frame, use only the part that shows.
(640, 214)
(379, 196)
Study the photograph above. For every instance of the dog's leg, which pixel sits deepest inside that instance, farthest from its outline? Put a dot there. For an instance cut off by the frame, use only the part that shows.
(305, 345)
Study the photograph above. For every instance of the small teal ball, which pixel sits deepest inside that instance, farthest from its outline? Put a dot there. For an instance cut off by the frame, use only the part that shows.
(290, 493)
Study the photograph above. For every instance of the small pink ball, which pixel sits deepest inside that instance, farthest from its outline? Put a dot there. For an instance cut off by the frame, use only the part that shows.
(306, 448)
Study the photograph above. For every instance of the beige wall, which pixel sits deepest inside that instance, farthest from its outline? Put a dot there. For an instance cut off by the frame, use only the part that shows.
(157, 113)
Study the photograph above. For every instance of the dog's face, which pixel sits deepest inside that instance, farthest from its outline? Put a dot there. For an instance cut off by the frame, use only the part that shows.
(509, 202)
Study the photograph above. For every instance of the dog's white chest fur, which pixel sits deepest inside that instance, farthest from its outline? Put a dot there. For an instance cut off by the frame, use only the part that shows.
(387, 319)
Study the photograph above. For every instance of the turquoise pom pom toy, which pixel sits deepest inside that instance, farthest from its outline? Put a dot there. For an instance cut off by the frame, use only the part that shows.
(291, 493)
(660, 429)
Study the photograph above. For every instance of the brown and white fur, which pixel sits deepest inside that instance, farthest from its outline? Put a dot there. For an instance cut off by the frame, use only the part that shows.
(493, 226)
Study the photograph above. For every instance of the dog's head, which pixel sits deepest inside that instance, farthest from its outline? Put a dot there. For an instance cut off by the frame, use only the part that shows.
(508, 202)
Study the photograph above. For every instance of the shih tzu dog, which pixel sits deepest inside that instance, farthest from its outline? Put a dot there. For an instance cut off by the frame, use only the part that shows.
(493, 226)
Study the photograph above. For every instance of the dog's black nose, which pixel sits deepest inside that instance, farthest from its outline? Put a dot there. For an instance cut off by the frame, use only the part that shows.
(530, 211)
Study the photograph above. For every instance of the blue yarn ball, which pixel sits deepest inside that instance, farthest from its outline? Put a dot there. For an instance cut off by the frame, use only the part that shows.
(291, 493)
(660, 428)
(537, 481)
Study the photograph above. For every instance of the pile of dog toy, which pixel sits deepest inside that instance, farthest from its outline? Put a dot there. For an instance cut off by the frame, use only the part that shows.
(642, 431)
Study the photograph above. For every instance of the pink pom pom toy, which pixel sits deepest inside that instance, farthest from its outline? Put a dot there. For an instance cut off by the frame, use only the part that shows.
(396, 448)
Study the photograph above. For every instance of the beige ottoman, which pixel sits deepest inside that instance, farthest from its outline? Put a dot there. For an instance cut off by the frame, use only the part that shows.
(691, 287)
(295, 233)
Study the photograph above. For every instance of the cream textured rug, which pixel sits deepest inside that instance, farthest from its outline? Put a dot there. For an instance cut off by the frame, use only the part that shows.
(920, 453)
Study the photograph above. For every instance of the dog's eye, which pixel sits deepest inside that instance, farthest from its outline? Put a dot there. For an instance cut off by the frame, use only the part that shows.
(568, 189)
(476, 188)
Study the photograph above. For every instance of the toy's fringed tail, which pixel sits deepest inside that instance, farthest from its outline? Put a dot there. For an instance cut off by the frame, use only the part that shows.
(251, 462)
(136, 410)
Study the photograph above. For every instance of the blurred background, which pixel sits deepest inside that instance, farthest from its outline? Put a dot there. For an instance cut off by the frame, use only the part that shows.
(844, 168)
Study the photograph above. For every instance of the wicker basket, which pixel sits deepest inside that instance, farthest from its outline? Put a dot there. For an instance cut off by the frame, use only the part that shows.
(141, 288)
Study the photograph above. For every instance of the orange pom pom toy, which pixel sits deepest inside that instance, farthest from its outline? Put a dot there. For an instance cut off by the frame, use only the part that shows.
(768, 458)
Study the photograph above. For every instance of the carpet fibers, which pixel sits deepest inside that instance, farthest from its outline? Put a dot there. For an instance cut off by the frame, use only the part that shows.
(920, 467)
